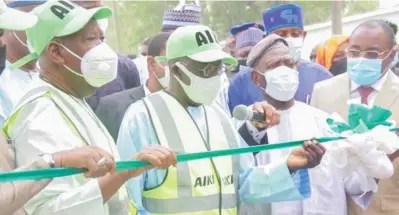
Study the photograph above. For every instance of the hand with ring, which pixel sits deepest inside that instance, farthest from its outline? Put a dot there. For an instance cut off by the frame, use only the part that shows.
(96, 160)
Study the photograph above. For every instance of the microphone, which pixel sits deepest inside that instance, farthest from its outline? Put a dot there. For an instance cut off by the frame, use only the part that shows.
(241, 112)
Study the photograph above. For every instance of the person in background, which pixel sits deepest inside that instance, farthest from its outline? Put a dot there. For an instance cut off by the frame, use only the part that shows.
(73, 62)
(235, 31)
(182, 15)
(245, 41)
(141, 61)
(332, 54)
(112, 108)
(313, 53)
(128, 76)
(395, 63)
(239, 83)
(144, 47)
(14, 83)
(132, 56)
(369, 81)
(276, 75)
(185, 117)
(290, 27)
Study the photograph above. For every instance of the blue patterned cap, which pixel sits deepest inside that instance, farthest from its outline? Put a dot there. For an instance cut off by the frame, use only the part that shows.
(249, 37)
(244, 26)
(188, 14)
(20, 3)
(286, 15)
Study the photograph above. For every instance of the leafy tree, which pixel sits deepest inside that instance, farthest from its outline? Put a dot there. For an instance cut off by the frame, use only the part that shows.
(136, 20)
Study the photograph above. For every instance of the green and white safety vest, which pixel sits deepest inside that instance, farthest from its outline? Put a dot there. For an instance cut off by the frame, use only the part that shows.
(207, 186)
(77, 124)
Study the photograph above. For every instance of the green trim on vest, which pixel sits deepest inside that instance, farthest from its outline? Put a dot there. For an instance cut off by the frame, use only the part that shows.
(194, 187)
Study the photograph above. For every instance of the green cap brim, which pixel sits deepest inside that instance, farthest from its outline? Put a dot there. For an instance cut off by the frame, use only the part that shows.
(16, 20)
(81, 19)
(212, 56)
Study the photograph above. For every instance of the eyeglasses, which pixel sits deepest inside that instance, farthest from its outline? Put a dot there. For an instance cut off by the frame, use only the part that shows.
(354, 53)
(209, 70)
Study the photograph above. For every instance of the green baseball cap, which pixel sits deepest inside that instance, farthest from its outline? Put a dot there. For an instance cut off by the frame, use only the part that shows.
(197, 42)
(57, 18)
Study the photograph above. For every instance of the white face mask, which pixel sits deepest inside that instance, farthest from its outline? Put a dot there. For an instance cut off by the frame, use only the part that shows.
(281, 83)
(164, 81)
(200, 90)
(295, 44)
(99, 65)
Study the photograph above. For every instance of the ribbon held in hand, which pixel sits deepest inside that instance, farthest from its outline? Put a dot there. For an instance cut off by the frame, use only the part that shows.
(361, 119)
(39, 174)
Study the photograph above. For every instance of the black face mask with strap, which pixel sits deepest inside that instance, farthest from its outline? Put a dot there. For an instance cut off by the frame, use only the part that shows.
(2, 58)
(338, 67)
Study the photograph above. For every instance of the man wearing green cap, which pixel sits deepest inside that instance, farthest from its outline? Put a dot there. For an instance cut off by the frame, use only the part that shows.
(73, 62)
(185, 118)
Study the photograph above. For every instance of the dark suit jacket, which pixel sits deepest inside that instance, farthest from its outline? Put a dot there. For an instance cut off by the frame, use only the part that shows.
(112, 108)
(127, 78)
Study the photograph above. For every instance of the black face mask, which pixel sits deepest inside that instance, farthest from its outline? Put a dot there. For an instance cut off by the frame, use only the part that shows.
(2, 58)
(338, 67)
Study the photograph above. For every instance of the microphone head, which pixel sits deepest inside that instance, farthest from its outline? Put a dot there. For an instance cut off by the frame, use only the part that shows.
(241, 112)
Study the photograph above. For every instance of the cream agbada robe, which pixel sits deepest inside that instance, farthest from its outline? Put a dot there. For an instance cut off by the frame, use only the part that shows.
(329, 188)
(40, 128)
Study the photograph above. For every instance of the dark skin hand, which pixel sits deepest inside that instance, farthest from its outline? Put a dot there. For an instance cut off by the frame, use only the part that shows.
(308, 156)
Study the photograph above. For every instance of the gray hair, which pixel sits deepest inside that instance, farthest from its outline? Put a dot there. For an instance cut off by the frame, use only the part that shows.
(269, 43)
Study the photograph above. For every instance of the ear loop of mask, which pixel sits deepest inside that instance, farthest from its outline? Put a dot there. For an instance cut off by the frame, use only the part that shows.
(72, 53)
(264, 76)
(19, 40)
(27, 44)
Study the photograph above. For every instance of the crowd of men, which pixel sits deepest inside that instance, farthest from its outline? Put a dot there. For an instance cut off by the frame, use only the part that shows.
(68, 100)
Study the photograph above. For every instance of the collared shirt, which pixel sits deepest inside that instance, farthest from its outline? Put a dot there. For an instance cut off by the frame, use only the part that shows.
(377, 86)
(13, 85)
(137, 132)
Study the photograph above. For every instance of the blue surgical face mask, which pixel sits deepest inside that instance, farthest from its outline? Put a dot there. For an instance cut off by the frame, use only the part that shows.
(364, 71)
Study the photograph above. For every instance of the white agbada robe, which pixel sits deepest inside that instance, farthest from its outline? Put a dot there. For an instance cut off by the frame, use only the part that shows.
(40, 128)
(329, 188)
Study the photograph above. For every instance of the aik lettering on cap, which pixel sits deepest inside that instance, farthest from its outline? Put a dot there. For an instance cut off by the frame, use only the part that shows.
(204, 38)
(62, 10)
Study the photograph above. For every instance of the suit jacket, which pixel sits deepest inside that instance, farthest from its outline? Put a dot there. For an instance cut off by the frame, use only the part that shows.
(332, 96)
(14, 195)
(112, 108)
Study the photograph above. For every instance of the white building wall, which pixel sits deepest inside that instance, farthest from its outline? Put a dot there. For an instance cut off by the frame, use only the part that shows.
(318, 33)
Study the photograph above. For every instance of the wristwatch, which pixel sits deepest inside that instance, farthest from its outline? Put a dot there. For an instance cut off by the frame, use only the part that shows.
(48, 158)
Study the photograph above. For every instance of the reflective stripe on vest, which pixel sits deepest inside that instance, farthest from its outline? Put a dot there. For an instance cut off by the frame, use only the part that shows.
(206, 186)
(75, 123)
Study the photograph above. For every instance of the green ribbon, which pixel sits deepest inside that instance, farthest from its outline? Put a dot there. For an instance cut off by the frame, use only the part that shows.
(39, 174)
(362, 119)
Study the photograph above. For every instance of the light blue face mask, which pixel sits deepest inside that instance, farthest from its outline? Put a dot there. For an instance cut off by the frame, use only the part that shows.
(364, 71)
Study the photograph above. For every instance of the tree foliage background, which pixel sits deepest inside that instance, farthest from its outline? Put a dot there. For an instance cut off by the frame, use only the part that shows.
(134, 21)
